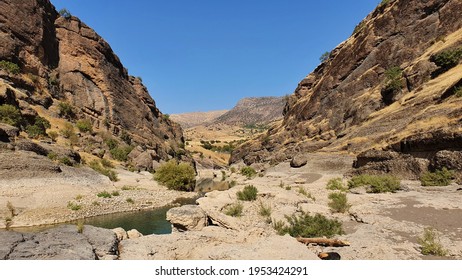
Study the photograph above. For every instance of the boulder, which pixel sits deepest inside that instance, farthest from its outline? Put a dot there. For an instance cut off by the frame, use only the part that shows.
(187, 217)
(8, 132)
(133, 233)
(143, 162)
(27, 145)
(298, 161)
(452, 160)
(120, 233)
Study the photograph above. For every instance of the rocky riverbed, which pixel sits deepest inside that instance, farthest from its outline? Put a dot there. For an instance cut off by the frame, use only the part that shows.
(377, 226)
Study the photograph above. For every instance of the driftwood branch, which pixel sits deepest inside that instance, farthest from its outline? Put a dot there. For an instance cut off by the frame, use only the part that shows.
(323, 242)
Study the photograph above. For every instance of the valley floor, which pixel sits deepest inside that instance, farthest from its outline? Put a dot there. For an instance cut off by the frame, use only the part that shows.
(378, 226)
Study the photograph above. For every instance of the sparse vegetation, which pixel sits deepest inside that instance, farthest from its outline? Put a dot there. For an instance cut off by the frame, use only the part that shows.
(176, 176)
(324, 57)
(338, 202)
(39, 127)
(248, 171)
(65, 160)
(11, 208)
(66, 110)
(53, 135)
(438, 178)
(95, 203)
(10, 67)
(249, 193)
(128, 188)
(104, 194)
(376, 183)
(11, 115)
(264, 210)
(305, 225)
(78, 197)
(447, 59)
(80, 226)
(336, 184)
(430, 243)
(288, 188)
(111, 174)
(234, 210)
(121, 153)
(130, 200)
(84, 126)
(52, 155)
(106, 163)
(360, 26)
(8, 222)
(115, 193)
(302, 191)
(393, 80)
(458, 91)
(67, 131)
(73, 206)
(65, 13)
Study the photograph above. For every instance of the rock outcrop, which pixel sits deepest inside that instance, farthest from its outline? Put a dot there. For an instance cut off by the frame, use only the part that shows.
(60, 243)
(379, 87)
(61, 60)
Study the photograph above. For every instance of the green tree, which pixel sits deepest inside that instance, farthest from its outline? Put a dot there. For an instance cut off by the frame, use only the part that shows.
(176, 176)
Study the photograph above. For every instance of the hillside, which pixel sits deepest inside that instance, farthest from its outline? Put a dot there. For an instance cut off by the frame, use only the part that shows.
(56, 68)
(393, 85)
(187, 120)
(253, 111)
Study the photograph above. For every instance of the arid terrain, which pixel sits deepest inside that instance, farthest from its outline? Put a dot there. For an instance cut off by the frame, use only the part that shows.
(363, 160)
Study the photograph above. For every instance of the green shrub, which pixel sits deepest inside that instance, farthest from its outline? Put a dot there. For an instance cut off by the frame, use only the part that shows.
(66, 110)
(111, 174)
(111, 143)
(248, 171)
(376, 183)
(130, 200)
(302, 191)
(52, 155)
(39, 127)
(234, 210)
(65, 160)
(394, 79)
(106, 163)
(176, 176)
(104, 194)
(264, 210)
(73, 206)
(53, 135)
(338, 202)
(115, 193)
(121, 153)
(11, 115)
(447, 59)
(84, 125)
(305, 225)
(65, 13)
(430, 244)
(324, 57)
(336, 184)
(249, 193)
(67, 131)
(126, 137)
(10, 67)
(438, 178)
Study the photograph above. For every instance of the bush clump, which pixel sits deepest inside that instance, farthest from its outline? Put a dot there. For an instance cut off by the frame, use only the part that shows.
(234, 210)
(10, 67)
(447, 59)
(430, 244)
(338, 202)
(11, 115)
(248, 171)
(249, 193)
(84, 126)
(305, 225)
(438, 178)
(376, 183)
(39, 128)
(394, 79)
(121, 153)
(104, 194)
(111, 174)
(66, 110)
(176, 176)
(336, 184)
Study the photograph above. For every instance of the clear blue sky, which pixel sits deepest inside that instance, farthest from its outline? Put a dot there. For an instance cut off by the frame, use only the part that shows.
(205, 55)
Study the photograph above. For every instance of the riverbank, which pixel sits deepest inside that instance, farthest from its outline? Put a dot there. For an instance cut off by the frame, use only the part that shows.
(78, 193)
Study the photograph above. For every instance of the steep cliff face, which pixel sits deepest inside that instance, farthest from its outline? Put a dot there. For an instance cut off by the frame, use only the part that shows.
(62, 60)
(376, 89)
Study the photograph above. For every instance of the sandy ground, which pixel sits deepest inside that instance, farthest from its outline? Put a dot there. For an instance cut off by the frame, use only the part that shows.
(39, 201)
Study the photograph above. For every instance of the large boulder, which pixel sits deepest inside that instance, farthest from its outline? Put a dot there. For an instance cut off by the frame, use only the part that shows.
(298, 161)
(187, 217)
(8, 132)
(450, 159)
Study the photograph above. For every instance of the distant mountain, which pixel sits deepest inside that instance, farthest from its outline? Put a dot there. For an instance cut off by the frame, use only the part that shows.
(253, 110)
(187, 120)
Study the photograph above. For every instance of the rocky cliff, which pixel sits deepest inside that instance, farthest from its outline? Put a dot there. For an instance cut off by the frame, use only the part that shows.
(395, 84)
(60, 60)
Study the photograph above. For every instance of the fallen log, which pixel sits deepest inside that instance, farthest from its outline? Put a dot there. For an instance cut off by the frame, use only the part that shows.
(323, 242)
